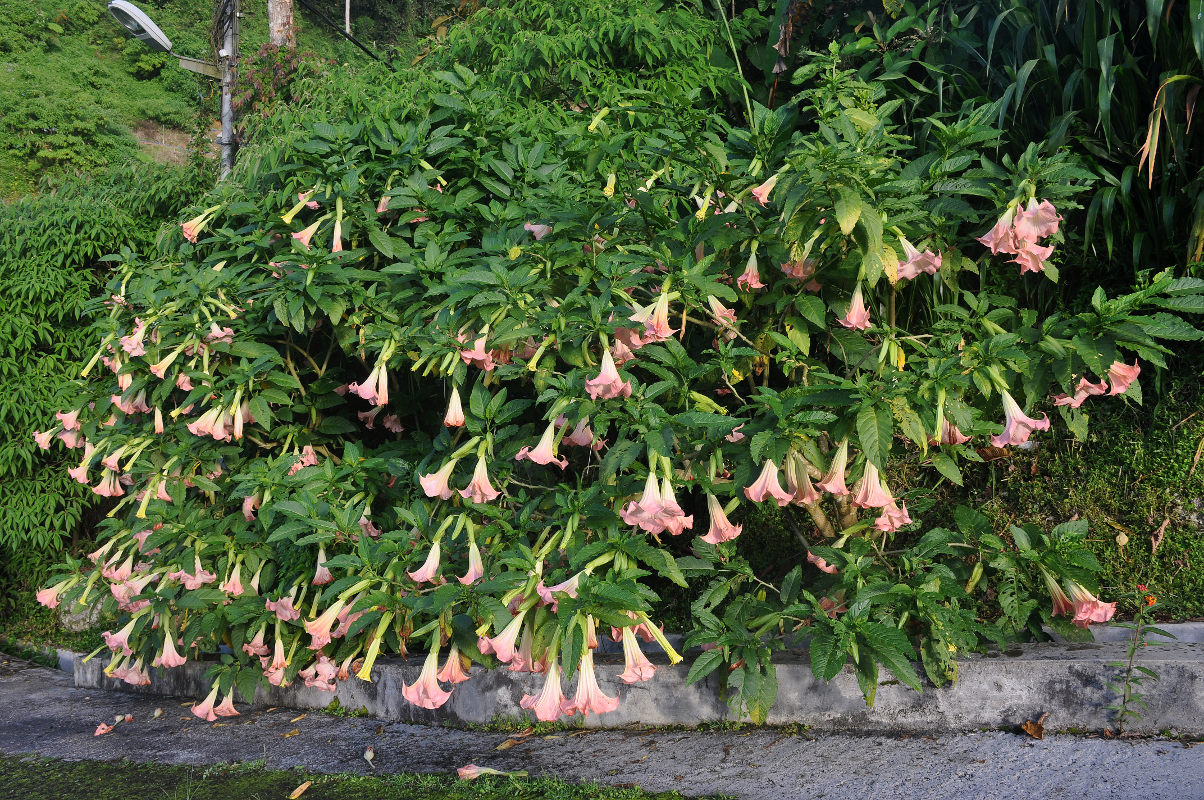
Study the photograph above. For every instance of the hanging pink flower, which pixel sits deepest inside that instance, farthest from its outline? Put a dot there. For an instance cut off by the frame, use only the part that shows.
(274, 669)
(762, 191)
(308, 459)
(547, 594)
(723, 316)
(453, 669)
(168, 657)
(582, 435)
(751, 277)
(833, 482)
(798, 481)
(249, 505)
(821, 564)
(198, 578)
(892, 518)
(916, 263)
(322, 574)
(1031, 257)
(43, 438)
(1002, 237)
(226, 709)
(49, 597)
(454, 418)
(767, 485)
(69, 419)
(637, 667)
(544, 452)
(321, 674)
(608, 385)
(870, 492)
(503, 644)
(735, 436)
(478, 355)
(672, 515)
(589, 697)
(537, 231)
(436, 483)
(1061, 603)
(951, 435)
(1017, 427)
(283, 608)
(1087, 607)
(120, 641)
(720, 530)
(1122, 376)
(232, 586)
(655, 319)
(1036, 221)
(549, 703)
(479, 489)
(429, 570)
(1084, 390)
(256, 647)
(303, 236)
(646, 512)
(476, 569)
(321, 627)
(858, 316)
(204, 709)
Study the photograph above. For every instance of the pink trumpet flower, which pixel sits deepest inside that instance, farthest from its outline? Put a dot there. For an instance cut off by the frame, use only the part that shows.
(916, 263)
(454, 418)
(303, 236)
(833, 482)
(132, 344)
(581, 436)
(1087, 607)
(198, 578)
(283, 608)
(767, 485)
(43, 438)
(523, 660)
(109, 485)
(1084, 390)
(120, 641)
(226, 708)
(453, 669)
(320, 627)
(1122, 376)
(724, 317)
(608, 385)
(426, 691)
(544, 452)
(870, 493)
(798, 482)
(204, 709)
(672, 515)
(429, 570)
(249, 504)
(232, 586)
(720, 530)
(589, 697)
(951, 435)
(479, 490)
(476, 569)
(69, 419)
(762, 191)
(1002, 237)
(322, 575)
(436, 483)
(892, 518)
(1036, 221)
(536, 230)
(637, 667)
(821, 564)
(49, 597)
(274, 669)
(858, 316)
(646, 512)
(1031, 257)
(308, 459)
(656, 320)
(549, 703)
(256, 647)
(503, 644)
(547, 594)
(1062, 606)
(168, 657)
(478, 355)
(751, 277)
(1017, 427)
(383, 205)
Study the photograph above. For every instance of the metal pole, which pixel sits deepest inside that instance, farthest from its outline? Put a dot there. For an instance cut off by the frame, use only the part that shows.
(229, 141)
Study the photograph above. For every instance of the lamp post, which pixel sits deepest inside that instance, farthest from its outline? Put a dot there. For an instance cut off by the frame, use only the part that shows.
(141, 27)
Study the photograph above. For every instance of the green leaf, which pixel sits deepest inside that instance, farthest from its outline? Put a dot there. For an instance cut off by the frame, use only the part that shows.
(704, 665)
(828, 656)
(791, 584)
(893, 649)
(848, 209)
(381, 241)
(947, 467)
(874, 428)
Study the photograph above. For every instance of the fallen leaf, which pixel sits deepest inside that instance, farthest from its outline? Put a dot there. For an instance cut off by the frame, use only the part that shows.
(551, 736)
(506, 745)
(1157, 536)
(300, 790)
(1035, 729)
(299, 718)
(380, 729)
(293, 732)
(524, 732)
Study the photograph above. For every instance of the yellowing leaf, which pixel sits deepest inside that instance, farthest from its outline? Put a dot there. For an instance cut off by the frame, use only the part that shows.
(300, 790)
(293, 732)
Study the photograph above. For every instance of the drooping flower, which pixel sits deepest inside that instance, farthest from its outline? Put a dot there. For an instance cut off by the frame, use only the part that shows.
(1087, 607)
(308, 459)
(547, 594)
(1122, 376)
(1031, 257)
(320, 628)
(536, 230)
(204, 709)
(249, 504)
(1084, 390)
(43, 438)
(198, 578)
(479, 490)
(673, 517)
(751, 277)
(274, 669)
(256, 647)
(303, 236)
(430, 568)
(915, 263)
(798, 481)
(168, 657)
(637, 667)
(892, 518)
(193, 227)
(608, 385)
(858, 316)
(69, 419)
(626, 342)
(951, 435)
(870, 492)
(544, 452)
(1017, 427)
(476, 569)
(724, 317)
(767, 485)
(1061, 603)
(436, 483)
(821, 564)
(549, 703)
(232, 586)
(453, 669)
(720, 530)
(478, 355)
(581, 435)
(833, 482)
(322, 574)
(49, 596)
(1002, 237)
(646, 512)
(655, 319)
(283, 608)
(503, 644)
(226, 708)
(1036, 221)
(120, 641)
(132, 343)
(589, 697)
(454, 418)
(762, 191)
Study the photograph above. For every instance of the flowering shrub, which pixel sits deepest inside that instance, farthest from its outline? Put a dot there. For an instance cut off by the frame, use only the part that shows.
(437, 378)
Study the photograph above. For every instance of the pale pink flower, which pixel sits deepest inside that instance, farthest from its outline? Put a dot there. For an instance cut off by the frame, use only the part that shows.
(735, 436)
(1087, 607)
(581, 436)
(49, 597)
(479, 490)
(249, 504)
(283, 608)
(321, 674)
(69, 419)
(183, 382)
(256, 647)
(626, 342)
(547, 594)
(232, 586)
(1036, 221)
(476, 569)
(1031, 257)
(391, 423)
(672, 515)
(1061, 603)
(71, 439)
(368, 528)
(589, 697)
(109, 485)
(870, 491)
(646, 512)
(274, 669)
(132, 343)
(383, 204)
(453, 669)
(892, 518)
(799, 270)
(305, 197)
(762, 191)
(724, 317)
(308, 459)
(435, 484)
(751, 277)
(303, 236)
(858, 316)
(1122, 376)
(226, 709)
(168, 657)
(549, 703)
(1002, 237)
(429, 570)
(821, 564)
(503, 644)
(1017, 427)
(478, 355)
(720, 530)
(204, 709)
(951, 435)
(915, 263)
(538, 231)
(118, 573)
(193, 227)
(197, 579)
(544, 452)
(655, 319)
(43, 438)
(637, 667)
(608, 385)
(320, 628)
(454, 418)
(322, 575)
(120, 641)
(833, 482)
(798, 481)
(767, 485)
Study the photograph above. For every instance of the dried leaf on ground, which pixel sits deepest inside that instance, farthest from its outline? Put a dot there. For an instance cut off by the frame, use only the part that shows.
(300, 790)
(1035, 729)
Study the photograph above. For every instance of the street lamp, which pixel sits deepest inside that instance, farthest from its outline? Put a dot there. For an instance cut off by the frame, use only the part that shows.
(141, 27)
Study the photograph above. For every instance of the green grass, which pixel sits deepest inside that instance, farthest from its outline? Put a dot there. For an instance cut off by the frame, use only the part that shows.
(50, 779)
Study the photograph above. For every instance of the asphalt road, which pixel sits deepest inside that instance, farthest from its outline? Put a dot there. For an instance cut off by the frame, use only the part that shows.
(41, 712)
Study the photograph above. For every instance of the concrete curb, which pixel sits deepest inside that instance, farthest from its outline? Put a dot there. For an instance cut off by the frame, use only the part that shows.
(997, 690)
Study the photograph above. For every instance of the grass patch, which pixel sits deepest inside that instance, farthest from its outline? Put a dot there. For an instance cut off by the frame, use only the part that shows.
(50, 779)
